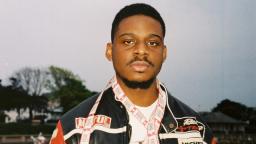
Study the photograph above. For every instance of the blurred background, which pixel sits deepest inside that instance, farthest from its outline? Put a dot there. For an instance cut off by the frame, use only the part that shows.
(52, 56)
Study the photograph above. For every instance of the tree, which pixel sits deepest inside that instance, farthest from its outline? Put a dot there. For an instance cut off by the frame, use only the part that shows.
(29, 86)
(60, 76)
(232, 109)
(33, 82)
(72, 94)
(2, 116)
(13, 99)
(67, 88)
(239, 112)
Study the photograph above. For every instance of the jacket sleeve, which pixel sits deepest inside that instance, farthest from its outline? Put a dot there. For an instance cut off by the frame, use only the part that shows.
(57, 136)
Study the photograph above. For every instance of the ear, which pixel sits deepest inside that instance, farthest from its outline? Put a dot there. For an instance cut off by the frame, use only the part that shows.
(108, 52)
(164, 52)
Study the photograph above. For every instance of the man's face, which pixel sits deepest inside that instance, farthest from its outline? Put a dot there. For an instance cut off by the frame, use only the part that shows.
(138, 49)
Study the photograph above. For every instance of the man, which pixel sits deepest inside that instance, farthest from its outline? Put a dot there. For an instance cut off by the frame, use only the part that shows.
(135, 107)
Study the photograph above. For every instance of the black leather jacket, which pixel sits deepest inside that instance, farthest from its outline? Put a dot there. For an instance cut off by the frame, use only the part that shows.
(180, 123)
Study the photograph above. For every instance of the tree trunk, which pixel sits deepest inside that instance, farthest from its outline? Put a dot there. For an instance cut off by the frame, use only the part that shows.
(30, 114)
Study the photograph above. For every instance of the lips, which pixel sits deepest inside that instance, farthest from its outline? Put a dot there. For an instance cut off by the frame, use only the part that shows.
(139, 66)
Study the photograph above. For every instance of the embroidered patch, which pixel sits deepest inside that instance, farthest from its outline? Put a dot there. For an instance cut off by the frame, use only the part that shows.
(190, 124)
(98, 120)
(191, 141)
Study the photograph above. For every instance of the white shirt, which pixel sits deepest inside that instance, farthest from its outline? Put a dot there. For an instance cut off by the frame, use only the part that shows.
(139, 132)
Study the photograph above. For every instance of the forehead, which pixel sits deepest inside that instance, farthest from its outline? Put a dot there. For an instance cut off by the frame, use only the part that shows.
(139, 25)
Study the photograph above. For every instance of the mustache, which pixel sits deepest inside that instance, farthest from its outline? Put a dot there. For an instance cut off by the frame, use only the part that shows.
(145, 59)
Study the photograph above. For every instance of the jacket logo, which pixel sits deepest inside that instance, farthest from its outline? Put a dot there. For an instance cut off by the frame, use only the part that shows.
(189, 121)
(188, 124)
(191, 141)
(98, 120)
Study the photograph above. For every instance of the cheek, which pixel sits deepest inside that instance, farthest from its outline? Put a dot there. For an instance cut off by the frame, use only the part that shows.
(158, 61)
(157, 56)
(119, 59)
(121, 56)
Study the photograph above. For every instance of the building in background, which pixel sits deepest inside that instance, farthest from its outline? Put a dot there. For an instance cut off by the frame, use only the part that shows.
(223, 124)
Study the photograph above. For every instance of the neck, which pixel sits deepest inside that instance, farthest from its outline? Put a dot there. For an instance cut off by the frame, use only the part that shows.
(138, 96)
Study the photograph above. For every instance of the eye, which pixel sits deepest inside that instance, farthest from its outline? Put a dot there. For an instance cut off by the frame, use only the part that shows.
(129, 42)
(153, 43)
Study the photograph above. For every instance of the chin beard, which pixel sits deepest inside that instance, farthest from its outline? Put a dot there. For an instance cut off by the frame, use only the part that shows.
(137, 85)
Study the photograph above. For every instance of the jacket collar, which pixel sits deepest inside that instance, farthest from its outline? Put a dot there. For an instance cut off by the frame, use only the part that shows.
(169, 122)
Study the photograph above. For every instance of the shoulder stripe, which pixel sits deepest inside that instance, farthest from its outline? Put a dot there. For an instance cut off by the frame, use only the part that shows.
(101, 128)
(180, 135)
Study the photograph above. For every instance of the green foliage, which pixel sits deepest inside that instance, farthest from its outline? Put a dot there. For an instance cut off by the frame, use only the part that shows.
(59, 77)
(238, 111)
(67, 88)
(232, 109)
(17, 99)
(26, 90)
(30, 89)
(13, 99)
(72, 94)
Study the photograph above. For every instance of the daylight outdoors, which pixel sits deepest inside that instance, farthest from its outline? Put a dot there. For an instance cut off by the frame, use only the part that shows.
(52, 57)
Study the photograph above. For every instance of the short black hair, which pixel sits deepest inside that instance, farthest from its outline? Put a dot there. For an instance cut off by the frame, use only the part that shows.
(136, 9)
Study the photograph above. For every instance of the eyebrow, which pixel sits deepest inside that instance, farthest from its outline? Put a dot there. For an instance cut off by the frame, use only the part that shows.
(124, 34)
(151, 35)
(155, 35)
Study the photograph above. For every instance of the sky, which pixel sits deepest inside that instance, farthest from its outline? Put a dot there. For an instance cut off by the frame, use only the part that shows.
(211, 44)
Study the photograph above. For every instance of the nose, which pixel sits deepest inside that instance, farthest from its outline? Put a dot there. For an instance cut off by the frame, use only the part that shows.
(141, 49)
